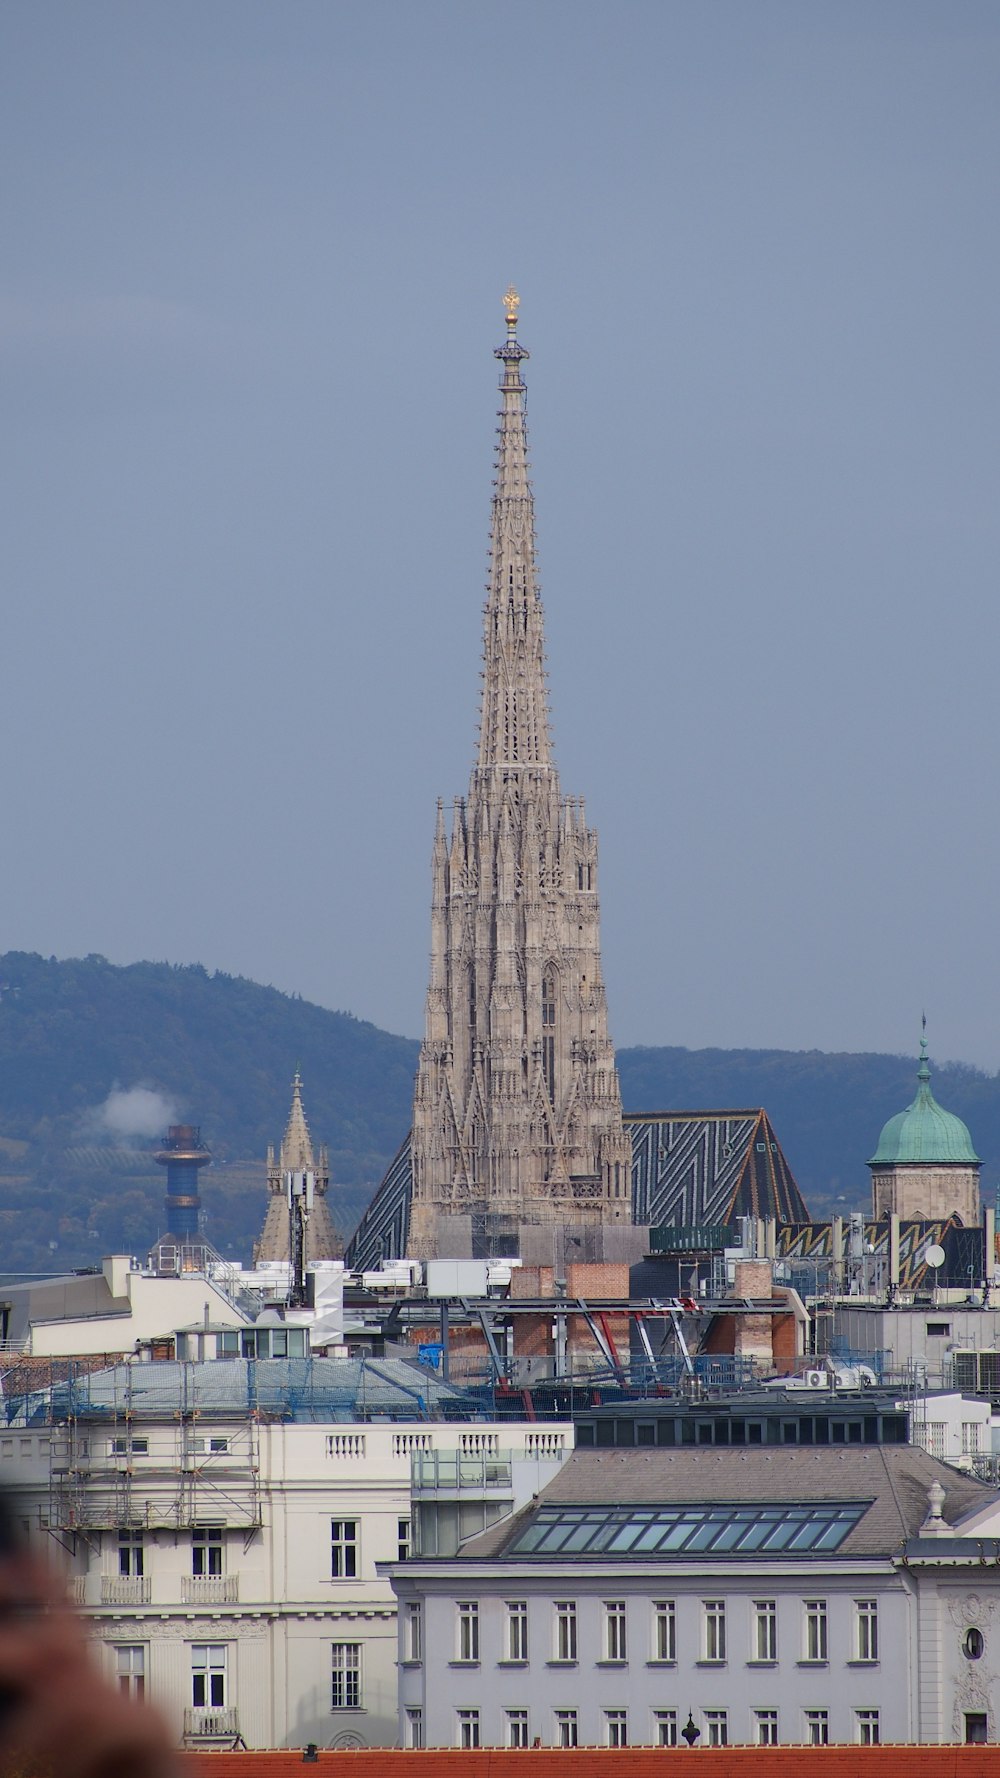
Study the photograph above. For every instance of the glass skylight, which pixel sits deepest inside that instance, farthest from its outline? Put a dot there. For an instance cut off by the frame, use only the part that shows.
(718, 1529)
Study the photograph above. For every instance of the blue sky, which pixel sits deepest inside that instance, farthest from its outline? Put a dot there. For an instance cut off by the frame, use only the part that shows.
(254, 256)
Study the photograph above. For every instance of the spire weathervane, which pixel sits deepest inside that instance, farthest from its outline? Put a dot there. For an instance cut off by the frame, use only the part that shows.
(923, 1072)
(511, 304)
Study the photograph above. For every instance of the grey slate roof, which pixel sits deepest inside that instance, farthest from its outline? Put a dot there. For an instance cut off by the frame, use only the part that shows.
(894, 1478)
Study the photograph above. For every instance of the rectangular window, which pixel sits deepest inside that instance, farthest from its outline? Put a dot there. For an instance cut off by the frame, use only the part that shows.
(517, 1728)
(468, 1728)
(208, 1675)
(664, 1630)
(414, 1644)
(933, 1438)
(816, 1630)
(206, 1551)
(614, 1630)
(765, 1728)
(616, 1728)
(218, 1446)
(866, 1723)
(664, 1728)
(131, 1558)
(970, 1438)
(344, 1549)
(818, 1728)
(715, 1629)
(765, 1633)
(517, 1629)
(566, 1631)
(128, 1447)
(567, 1729)
(130, 1668)
(716, 1728)
(346, 1689)
(468, 1630)
(867, 1629)
(414, 1728)
(402, 1540)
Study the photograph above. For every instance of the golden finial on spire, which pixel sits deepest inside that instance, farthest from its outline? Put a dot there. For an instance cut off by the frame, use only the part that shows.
(511, 304)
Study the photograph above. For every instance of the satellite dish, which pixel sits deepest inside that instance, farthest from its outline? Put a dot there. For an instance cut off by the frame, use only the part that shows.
(934, 1256)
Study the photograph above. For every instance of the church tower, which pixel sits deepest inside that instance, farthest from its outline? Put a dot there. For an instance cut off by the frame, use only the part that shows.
(296, 1156)
(517, 1115)
(925, 1166)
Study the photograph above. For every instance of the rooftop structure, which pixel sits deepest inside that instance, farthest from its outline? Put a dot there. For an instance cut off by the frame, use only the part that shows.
(183, 1154)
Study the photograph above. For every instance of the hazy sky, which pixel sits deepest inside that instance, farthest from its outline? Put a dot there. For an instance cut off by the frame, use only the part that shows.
(253, 260)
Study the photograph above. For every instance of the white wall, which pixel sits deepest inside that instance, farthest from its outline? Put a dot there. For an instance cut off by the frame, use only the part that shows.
(277, 1609)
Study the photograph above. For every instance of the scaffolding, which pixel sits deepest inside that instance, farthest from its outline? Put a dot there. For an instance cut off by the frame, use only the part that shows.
(118, 1464)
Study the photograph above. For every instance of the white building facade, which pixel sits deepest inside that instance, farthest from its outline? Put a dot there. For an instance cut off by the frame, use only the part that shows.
(759, 1597)
(229, 1562)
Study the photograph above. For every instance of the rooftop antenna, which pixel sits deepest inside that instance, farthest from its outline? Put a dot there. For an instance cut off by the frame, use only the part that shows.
(300, 1192)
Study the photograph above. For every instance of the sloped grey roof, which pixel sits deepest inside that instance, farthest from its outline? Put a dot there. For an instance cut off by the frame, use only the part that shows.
(895, 1479)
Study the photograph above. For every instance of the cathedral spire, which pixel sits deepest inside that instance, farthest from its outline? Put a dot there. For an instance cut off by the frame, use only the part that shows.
(514, 726)
(517, 1115)
(296, 1146)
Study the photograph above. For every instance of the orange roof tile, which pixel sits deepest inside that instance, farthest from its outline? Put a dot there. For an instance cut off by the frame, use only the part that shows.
(605, 1762)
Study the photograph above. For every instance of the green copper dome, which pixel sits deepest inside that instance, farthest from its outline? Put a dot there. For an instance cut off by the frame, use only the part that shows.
(924, 1132)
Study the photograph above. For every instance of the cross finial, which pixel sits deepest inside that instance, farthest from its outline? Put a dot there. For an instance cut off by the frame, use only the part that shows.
(511, 304)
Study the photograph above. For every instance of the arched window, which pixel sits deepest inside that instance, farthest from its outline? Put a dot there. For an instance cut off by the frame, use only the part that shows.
(549, 999)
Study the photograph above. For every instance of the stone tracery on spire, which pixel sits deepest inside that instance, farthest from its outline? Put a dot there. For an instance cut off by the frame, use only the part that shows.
(514, 722)
(517, 1108)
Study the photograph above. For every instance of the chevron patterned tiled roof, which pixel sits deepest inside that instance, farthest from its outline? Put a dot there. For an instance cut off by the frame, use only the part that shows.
(687, 1167)
(699, 1167)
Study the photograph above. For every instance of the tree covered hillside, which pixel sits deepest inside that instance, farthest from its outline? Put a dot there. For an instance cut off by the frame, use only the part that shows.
(77, 1178)
(221, 1050)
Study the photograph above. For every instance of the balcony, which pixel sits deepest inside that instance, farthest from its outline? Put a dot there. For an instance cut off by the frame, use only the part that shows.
(125, 1589)
(210, 1589)
(454, 1472)
(218, 1728)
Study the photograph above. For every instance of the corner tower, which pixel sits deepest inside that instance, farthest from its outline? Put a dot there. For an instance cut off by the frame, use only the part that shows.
(517, 1115)
(925, 1166)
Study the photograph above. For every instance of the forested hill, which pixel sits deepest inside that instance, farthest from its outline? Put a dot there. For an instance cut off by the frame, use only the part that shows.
(75, 1182)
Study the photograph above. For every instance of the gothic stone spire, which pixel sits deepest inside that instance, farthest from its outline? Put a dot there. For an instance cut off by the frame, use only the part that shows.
(296, 1156)
(514, 728)
(517, 1110)
(296, 1147)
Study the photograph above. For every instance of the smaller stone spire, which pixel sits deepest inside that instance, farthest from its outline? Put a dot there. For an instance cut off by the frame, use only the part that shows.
(296, 1144)
(296, 1156)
